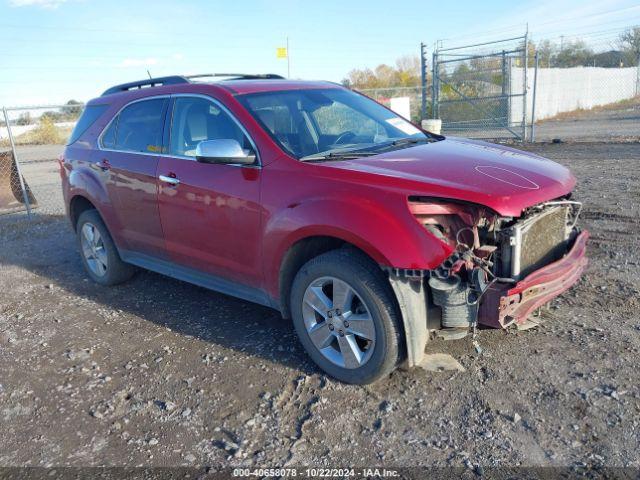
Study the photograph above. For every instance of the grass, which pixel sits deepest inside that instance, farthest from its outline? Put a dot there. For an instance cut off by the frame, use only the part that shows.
(45, 133)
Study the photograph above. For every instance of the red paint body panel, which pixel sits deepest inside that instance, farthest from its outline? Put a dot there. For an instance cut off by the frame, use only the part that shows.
(238, 222)
(212, 220)
(131, 184)
(448, 169)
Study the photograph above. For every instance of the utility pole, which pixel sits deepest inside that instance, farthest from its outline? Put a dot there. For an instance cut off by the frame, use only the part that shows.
(423, 78)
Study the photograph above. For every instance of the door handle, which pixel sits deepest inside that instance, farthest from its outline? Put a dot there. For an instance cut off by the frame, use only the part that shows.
(169, 180)
(103, 165)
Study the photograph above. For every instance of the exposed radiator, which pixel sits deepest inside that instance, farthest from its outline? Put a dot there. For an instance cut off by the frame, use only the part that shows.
(538, 240)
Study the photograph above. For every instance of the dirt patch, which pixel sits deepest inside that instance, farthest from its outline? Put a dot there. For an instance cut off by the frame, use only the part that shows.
(629, 104)
(161, 373)
(618, 122)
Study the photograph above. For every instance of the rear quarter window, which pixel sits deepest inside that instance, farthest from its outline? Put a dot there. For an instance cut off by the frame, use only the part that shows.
(90, 114)
(137, 128)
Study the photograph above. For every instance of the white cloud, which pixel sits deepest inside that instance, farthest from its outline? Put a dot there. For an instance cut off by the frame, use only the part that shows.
(49, 4)
(138, 62)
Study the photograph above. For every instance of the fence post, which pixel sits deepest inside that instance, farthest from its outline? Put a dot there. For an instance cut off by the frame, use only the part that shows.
(434, 86)
(25, 195)
(504, 107)
(533, 100)
(524, 96)
(638, 77)
(423, 81)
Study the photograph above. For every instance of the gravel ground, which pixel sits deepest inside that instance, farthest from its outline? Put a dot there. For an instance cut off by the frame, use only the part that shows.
(161, 373)
(612, 123)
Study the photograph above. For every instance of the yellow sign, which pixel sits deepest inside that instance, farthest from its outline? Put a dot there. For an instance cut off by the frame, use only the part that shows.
(281, 52)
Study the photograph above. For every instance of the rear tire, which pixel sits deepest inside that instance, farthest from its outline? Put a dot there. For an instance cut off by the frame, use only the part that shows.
(346, 317)
(98, 252)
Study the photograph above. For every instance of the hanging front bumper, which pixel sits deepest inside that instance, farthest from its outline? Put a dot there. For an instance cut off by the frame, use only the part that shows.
(504, 304)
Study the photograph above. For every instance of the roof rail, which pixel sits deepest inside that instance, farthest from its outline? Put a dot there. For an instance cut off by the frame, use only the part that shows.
(150, 82)
(239, 76)
(176, 79)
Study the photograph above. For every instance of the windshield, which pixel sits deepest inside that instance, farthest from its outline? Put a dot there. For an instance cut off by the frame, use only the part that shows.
(327, 123)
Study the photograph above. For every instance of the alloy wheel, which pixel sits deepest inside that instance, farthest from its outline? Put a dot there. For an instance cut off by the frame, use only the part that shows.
(338, 322)
(93, 249)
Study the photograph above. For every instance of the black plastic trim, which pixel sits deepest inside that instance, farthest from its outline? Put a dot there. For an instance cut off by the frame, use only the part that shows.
(196, 277)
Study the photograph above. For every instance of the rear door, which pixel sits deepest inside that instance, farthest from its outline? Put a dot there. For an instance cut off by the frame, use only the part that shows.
(211, 218)
(130, 149)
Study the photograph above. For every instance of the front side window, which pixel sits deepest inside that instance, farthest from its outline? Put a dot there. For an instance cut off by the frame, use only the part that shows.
(138, 128)
(316, 123)
(196, 119)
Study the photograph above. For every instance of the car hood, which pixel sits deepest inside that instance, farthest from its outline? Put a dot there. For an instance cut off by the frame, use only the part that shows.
(502, 178)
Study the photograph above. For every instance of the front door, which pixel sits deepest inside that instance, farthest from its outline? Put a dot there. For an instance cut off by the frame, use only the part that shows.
(130, 149)
(210, 213)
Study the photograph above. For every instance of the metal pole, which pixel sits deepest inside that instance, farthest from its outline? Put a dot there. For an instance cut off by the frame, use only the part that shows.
(25, 196)
(423, 75)
(533, 100)
(638, 77)
(524, 97)
(288, 60)
(504, 101)
(434, 87)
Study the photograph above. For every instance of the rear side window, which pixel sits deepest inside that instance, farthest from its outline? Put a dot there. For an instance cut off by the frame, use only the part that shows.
(138, 128)
(88, 117)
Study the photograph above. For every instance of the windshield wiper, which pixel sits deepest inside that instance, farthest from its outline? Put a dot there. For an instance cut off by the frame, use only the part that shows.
(338, 155)
(409, 140)
(406, 141)
(366, 152)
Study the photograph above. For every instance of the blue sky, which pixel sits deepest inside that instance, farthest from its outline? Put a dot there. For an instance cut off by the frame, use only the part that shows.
(54, 50)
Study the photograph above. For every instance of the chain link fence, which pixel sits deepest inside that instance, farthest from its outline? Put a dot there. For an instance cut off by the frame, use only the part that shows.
(406, 101)
(582, 103)
(474, 92)
(31, 140)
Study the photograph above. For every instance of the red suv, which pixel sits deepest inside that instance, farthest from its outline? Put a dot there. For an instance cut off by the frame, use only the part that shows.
(371, 234)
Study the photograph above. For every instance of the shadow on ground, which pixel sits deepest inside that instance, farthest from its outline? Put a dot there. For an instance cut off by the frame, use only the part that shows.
(45, 246)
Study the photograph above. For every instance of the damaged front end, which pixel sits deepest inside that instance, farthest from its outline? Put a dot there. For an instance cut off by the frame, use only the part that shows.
(500, 269)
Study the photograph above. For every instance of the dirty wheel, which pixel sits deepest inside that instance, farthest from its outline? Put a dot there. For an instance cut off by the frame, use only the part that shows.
(345, 315)
(99, 254)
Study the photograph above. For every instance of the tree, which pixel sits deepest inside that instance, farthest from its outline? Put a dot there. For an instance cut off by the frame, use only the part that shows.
(574, 54)
(546, 51)
(406, 73)
(72, 108)
(630, 44)
(24, 119)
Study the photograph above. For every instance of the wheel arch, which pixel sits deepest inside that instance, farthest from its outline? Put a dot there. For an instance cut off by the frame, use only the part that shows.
(77, 205)
(303, 250)
(80, 202)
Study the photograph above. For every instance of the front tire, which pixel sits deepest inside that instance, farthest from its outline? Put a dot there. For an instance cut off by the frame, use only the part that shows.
(346, 317)
(98, 252)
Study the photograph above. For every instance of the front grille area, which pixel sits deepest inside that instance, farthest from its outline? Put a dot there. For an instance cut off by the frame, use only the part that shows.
(539, 240)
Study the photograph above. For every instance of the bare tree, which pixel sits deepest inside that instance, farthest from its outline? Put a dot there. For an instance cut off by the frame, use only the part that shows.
(630, 44)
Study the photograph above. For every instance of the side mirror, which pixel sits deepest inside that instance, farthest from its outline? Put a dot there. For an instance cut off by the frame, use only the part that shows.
(224, 150)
